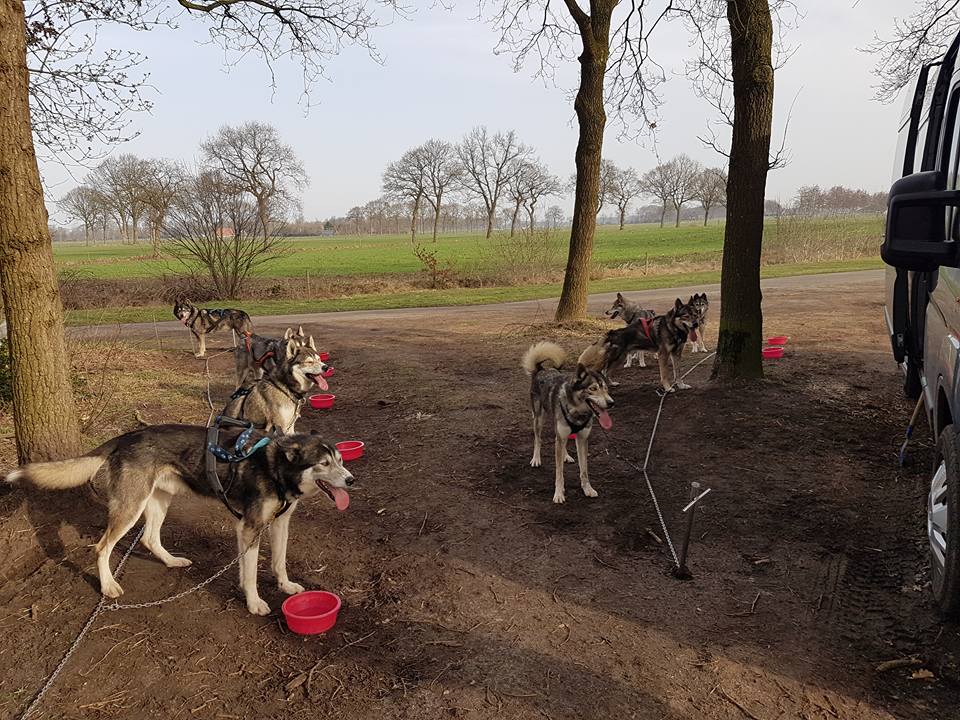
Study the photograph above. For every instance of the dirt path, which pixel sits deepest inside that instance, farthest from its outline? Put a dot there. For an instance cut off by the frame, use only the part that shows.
(469, 594)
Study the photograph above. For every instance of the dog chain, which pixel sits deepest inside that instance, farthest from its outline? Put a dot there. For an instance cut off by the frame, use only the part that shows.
(646, 461)
(103, 607)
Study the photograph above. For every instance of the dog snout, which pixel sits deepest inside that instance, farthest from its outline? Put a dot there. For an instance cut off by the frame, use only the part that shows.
(610, 402)
(349, 480)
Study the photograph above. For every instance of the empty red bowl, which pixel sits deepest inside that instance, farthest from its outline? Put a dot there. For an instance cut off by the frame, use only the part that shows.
(772, 353)
(328, 372)
(311, 612)
(778, 340)
(350, 449)
(322, 401)
(324, 356)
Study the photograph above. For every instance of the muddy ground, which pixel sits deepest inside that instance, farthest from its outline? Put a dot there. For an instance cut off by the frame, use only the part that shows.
(468, 594)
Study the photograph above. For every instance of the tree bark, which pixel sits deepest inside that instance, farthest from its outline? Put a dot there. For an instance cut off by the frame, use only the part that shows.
(623, 215)
(592, 119)
(741, 316)
(44, 414)
(663, 214)
(513, 219)
(490, 214)
(413, 219)
(678, 216)
(706, 215)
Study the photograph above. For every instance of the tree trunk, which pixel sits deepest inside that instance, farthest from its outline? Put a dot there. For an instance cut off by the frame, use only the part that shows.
(741, 316)
(44, 414)
(413, 217)
(436, 221)
(513, 220)
(706, 215)
(592, 119)
(678, 216)
(490, 213)
(663, 214)
(623, 215)
(533, 221)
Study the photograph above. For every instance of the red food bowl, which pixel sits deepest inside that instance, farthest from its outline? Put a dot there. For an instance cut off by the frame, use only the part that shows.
(350, 449)
(778, 340)
(322, 401)
(324, 356)
(328, 372)
(311, 612)
(772, 353)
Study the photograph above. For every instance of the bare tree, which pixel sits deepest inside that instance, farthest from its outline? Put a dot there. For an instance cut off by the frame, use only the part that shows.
(158, 185)
(257, 161)
(916, 40)
(117, 180)
(656, 183)
(710, 189)
(555, 216)
(406, 180)
(489, 163)
(538, 183)
(614, 74)
(625, 187)
(682, 173)
(83, 204)
(213, 226)
(443, 171)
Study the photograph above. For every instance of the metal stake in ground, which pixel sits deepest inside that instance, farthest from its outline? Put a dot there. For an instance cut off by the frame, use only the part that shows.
(682, 572)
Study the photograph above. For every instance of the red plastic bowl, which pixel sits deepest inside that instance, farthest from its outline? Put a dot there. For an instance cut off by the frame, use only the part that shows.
(778, 340)
(322, 401)
(324, 356)
(328, 372)
(350, 449)
(311, 612)
(772, 353)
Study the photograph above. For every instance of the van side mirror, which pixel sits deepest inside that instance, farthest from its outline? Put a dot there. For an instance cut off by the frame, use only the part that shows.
(916, 234)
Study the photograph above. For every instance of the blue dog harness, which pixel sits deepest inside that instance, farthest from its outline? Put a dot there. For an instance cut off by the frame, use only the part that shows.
(240, 453)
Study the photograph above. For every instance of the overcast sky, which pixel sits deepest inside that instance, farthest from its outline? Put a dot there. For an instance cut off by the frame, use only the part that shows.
(440, 77)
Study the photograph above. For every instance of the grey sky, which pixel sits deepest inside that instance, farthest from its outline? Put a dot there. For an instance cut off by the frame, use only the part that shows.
(440, 77)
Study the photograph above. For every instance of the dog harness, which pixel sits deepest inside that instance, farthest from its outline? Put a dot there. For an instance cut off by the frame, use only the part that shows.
(575, 427)
(645, 325)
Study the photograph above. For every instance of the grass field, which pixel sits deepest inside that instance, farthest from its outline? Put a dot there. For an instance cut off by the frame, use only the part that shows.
(389, 254)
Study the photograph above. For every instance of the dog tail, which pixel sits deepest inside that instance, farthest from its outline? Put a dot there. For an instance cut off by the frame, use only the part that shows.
(594, 356)
(541, 354)
(62, 474)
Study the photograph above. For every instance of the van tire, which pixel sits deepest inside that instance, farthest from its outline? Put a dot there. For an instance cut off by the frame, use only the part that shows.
(945, 490)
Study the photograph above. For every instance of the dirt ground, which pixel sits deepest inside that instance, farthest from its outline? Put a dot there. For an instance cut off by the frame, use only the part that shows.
(468, 594)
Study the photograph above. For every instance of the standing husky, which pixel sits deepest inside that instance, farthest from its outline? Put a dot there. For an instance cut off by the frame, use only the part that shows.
(666, 334)
(140, 472)
(273, 403)
(259, 354)
(570, 404)
(630, 312)
(700, 305)
(202, 321)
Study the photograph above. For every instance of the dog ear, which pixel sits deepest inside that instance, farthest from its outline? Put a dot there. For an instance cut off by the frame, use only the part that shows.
(291, 348)
(288, 333)
(678, 304)
(619, 297)
(300, 332)
(311, 343)
(581, 371)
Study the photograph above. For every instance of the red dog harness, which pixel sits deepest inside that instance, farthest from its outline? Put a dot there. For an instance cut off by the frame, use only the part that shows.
(645, 324)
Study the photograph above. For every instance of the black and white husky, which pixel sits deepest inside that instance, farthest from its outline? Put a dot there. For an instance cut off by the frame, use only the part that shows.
(570, 403)
(700, 305)
(202, 321)
(630, 311)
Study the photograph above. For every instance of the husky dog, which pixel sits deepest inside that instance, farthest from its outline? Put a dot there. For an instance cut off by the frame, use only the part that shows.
(273, 403)
(570, 404)
(259, 354)
(700, 305)
(630, 311)
(202, 321)
(666, 334)
(139, 473)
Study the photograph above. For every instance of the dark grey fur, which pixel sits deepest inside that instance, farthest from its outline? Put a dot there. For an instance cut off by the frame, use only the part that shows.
(201, 322)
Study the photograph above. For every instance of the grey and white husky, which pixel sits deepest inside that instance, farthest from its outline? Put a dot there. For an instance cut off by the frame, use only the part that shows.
(273, 402)
(259, 354)
(570, 404)
(202, 321)
(139, 473)
(630, 311)
(700, 305)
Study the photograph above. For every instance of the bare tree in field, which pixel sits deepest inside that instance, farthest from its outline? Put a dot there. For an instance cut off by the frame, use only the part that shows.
(657, 183)
(682, 174)
(406, 179)
(489, 162)
(917, 38)
(538, 183)
(515, 191)
(443, 172)
(257, 160)
(83, 204)
(614, 75)
(710, 189)
(215, 227)
(117, 180)
(158, 186)
(45, 419)
(625, 187)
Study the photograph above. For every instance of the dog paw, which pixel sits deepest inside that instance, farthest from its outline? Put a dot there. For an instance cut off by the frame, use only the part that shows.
(559, 498)
(589, 491)
(568, 458)
(199, 356)
(535, 462)
(258, 607)
(111, 589)
(179, 562)
(290, 588)
(667, 389)
(683, 386)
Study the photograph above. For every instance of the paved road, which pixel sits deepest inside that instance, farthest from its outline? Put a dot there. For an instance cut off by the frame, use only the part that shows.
(657, 299)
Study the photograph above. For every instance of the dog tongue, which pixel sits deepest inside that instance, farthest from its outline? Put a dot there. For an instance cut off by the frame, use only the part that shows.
(605, 422)
(693, 335)
(322, 384)
(341, 498)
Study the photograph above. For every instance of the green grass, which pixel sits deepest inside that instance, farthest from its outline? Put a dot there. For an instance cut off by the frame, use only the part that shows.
(385, 254)
(462, 296)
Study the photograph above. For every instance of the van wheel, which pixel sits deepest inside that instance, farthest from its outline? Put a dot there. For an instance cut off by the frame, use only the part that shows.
(911, 380)
(943, 523)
